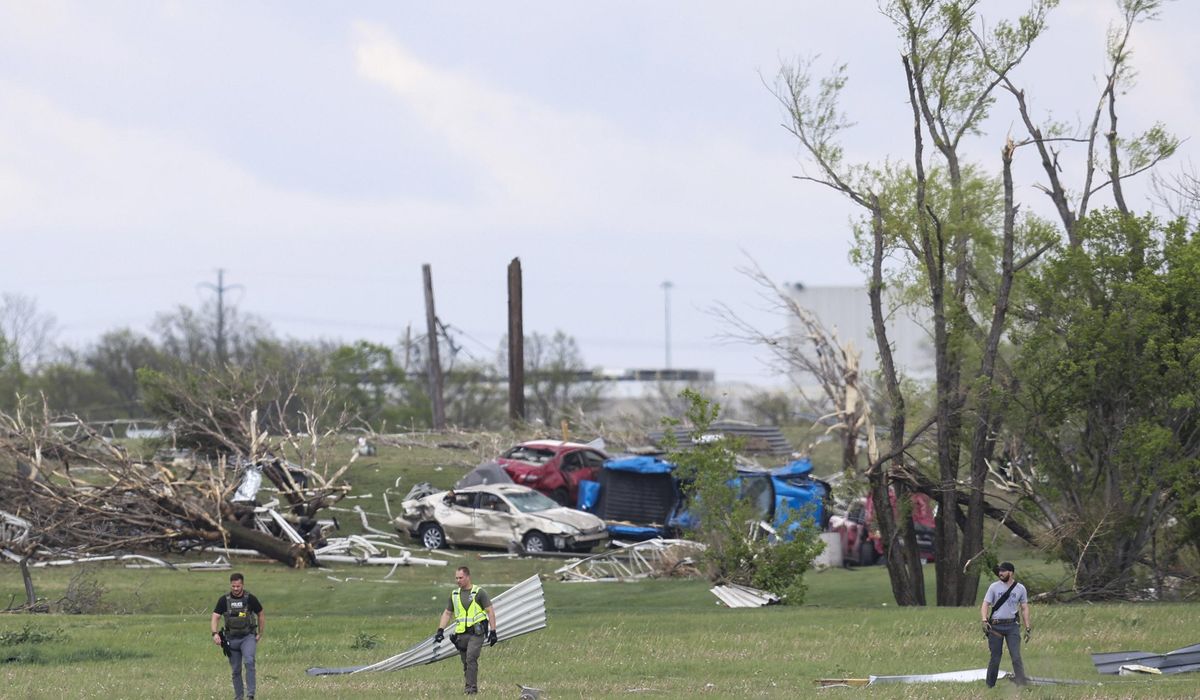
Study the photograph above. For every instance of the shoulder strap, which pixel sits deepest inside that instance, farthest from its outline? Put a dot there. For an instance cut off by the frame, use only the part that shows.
(1000, 601)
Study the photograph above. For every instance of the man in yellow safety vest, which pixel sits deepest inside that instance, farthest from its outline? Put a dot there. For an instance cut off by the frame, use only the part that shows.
(474, 621)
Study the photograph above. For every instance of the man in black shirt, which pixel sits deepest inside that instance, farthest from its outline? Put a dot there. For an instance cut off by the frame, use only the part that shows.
(244, 623)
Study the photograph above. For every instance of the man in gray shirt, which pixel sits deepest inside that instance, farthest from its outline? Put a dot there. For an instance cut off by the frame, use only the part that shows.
(999, 611)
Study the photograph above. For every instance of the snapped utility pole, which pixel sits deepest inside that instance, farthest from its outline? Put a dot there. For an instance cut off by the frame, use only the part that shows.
(435, 364)
(516, 345)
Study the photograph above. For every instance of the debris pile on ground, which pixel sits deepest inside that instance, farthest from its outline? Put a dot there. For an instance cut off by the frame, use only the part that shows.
(655, 558)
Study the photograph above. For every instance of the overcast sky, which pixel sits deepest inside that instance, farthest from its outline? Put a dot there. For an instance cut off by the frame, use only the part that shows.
(321, 152)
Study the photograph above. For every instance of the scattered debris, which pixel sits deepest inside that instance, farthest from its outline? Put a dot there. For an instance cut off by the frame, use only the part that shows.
(157, 563)
(971, 676)
(1137, 669)
(1178, 661)
(736, 596)
(519, 610)
(650, 559)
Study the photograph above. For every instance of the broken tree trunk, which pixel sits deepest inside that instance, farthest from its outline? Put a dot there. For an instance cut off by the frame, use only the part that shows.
(297, 556)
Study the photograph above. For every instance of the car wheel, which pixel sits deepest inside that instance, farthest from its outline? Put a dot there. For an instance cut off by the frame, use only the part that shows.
(559, 496)
(432, 536)
(536, 542)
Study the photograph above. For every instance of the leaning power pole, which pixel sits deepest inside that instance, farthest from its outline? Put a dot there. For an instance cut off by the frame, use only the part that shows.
(435, 364)
(516, 345)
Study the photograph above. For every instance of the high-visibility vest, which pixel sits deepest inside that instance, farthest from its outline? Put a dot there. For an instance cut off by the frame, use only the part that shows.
(469, 616)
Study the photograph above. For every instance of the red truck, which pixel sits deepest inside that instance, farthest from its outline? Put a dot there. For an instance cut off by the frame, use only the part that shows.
(861, 543)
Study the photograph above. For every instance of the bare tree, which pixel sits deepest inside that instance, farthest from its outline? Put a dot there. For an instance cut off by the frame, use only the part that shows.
(27, 334)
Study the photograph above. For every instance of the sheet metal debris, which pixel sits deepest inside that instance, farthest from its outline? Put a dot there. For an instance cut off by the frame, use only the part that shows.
(630, 562)
(735, 596)
(519, 610)
(978, 674)
(13, 530)
(158, 563)
(1178, 661)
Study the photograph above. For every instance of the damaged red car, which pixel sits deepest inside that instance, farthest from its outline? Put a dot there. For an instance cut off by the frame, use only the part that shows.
(553, 467)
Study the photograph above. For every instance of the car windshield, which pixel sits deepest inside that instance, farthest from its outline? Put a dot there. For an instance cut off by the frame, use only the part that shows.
(757, 489)
(530, 501)
(532, 455)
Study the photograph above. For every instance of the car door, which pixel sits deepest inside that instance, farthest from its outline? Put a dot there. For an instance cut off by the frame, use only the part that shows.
(496, 523)
(456, 515)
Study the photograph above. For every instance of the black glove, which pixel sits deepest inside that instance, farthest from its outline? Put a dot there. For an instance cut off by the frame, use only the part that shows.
(492, 638)
(1028, 634)
(987, 628)
(439, 636)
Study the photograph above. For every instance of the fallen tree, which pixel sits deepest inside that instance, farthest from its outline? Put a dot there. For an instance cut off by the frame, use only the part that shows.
(82, 494)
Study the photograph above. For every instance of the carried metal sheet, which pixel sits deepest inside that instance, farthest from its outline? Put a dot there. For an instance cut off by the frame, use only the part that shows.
(1178, 661)
(519, 610)
(735, 596)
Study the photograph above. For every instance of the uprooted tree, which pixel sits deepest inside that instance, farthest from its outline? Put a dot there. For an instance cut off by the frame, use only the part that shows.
(947, 236)
(82, 494)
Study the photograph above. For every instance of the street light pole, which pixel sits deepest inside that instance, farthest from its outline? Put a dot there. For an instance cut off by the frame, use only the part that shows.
(666, 287)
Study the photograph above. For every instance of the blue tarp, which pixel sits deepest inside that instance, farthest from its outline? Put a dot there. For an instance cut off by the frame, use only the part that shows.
(640, 465)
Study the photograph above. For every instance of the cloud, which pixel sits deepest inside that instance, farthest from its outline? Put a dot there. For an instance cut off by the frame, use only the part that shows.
(552, 166)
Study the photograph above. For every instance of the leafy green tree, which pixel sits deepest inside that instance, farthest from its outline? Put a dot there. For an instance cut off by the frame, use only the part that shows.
(1110, 387)
(367, 381)
(72, 389)
(724, 520)
(116, 357)
(947, 233)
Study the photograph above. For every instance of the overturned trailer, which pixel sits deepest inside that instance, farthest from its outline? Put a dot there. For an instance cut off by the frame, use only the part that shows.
(641, 497)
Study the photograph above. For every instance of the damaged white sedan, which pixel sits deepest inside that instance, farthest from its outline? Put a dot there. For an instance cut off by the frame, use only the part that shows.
(495, 515)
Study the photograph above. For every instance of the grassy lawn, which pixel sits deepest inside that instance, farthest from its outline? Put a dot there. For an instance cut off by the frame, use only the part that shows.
(149, 634)
(655, 638)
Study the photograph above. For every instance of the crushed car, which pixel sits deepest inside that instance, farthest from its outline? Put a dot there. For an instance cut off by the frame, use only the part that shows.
(553, 467)
(495, 515)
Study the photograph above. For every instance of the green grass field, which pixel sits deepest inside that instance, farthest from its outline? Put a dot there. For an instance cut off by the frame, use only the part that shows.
(661, 638)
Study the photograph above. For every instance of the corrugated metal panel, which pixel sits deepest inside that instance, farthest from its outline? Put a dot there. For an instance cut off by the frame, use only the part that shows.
(519, 610)
(736, 596)
(1178, 661)
(764, 439)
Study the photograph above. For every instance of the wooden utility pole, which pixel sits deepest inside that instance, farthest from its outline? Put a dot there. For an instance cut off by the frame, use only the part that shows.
(516, 345)
(435, 364)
